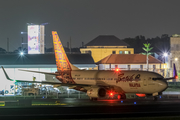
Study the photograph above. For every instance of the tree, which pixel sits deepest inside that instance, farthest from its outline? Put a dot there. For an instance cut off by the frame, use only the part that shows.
(2, 51)
(147, 53)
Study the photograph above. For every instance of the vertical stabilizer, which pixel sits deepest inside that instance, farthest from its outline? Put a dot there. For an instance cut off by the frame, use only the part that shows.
(174, 72)
(62, 61)
(64, 67)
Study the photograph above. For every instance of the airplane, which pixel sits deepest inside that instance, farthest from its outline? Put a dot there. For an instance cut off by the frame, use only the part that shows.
(99, 83)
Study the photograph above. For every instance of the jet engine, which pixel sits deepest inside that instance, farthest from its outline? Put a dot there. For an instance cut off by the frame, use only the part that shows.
(96, 92)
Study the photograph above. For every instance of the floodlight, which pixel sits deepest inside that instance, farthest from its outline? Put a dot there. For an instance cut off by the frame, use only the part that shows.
(165, 54)
(21, 53)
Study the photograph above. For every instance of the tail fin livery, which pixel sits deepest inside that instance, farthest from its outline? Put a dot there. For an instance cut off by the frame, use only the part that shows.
(64, 67)
(62, 61)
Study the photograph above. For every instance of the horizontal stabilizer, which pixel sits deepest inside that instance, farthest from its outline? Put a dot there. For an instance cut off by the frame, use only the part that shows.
(44, 82)
(174, 75)
(40, 72)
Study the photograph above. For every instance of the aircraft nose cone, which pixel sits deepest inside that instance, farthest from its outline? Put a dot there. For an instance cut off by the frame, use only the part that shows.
(163, 85)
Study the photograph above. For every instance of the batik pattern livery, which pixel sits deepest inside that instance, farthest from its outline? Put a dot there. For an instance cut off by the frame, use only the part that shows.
(62, 62)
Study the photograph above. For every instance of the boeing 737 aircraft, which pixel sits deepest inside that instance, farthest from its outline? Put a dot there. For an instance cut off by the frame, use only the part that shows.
(99, 83)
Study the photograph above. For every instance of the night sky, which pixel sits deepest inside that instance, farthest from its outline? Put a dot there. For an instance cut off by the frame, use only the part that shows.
(84, 20)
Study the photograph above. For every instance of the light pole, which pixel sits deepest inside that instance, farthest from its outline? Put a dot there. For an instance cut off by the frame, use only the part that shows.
(165, 55)
(23, 33)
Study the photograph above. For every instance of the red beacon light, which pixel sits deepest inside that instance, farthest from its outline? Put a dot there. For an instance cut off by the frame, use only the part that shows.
(117, 70)
(111, 94)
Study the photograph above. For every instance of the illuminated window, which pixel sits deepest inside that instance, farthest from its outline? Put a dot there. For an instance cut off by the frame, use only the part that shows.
(120, 52)
(126, 52)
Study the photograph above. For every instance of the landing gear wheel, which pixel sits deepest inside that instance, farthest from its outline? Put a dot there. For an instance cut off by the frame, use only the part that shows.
(155, 98)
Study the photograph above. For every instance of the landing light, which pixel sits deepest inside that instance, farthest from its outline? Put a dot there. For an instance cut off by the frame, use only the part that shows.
(111, 94)
(141, 95)
(117, 70)
(176, 77)
(165, 54)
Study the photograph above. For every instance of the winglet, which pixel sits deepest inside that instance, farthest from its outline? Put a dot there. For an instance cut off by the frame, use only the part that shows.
(175, 72)
(6, 74)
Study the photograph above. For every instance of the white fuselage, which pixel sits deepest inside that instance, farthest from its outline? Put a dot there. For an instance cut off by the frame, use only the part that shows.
(128, 81)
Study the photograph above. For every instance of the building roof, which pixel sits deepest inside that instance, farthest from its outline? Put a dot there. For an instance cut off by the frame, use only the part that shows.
(128, 59)
(106, 40)
(42, 59)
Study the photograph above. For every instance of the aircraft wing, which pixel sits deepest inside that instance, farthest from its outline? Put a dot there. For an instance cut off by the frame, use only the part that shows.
(44, 82)
(38, 72)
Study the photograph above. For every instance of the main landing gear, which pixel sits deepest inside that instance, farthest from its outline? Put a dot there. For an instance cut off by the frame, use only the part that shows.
(121, 96)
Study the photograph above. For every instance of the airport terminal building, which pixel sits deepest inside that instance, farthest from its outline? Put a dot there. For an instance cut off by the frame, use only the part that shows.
(37, 62)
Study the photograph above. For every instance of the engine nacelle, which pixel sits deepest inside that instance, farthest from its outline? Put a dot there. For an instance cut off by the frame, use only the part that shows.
(96, 92)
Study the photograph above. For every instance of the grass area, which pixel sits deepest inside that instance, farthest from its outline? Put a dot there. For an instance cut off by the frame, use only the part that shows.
(173, 88)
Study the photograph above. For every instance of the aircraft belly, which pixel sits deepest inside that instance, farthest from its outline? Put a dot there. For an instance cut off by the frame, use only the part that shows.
(132, 87)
